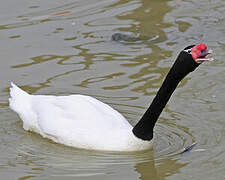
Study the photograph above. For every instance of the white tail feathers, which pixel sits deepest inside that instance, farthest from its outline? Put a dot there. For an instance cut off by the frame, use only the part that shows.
(19, 100)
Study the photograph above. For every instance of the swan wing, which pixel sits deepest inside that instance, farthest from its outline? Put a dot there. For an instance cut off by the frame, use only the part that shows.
(76, 116)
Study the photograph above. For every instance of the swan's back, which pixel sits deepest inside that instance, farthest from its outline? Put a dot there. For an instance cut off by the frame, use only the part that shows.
(76, 113)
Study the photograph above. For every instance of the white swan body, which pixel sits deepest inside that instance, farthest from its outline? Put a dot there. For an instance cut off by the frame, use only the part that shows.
(75, 120)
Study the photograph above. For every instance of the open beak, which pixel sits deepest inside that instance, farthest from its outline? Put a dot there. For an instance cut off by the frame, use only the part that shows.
(203, 56)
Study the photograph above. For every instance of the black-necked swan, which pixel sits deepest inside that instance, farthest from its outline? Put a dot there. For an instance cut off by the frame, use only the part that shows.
(85, 122)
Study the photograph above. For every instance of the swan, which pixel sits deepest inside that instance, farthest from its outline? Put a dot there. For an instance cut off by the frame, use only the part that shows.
(84, 122)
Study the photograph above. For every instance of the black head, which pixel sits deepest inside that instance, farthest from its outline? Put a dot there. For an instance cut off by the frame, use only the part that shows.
(198, 52)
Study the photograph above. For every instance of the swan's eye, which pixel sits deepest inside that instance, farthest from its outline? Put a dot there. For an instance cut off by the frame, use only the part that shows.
(187, 51)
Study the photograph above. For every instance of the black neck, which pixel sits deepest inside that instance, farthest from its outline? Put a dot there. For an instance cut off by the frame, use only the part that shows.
(182, 66)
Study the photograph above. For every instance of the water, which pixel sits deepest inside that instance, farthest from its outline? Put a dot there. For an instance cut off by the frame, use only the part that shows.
(63, 47)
